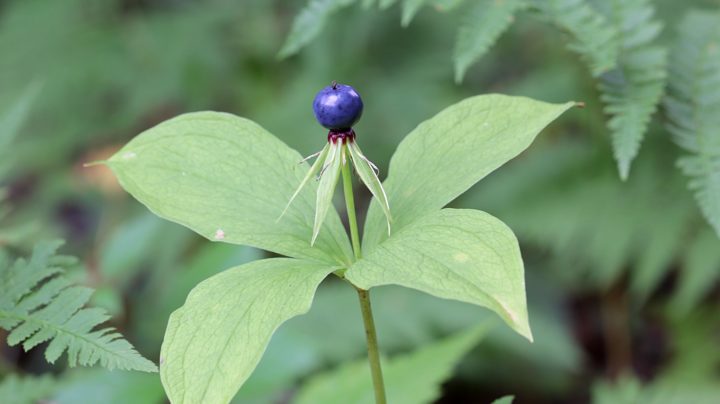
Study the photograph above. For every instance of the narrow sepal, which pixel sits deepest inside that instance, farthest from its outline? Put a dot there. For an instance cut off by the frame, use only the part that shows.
(367, 172)
(313, 170)
(329, 177)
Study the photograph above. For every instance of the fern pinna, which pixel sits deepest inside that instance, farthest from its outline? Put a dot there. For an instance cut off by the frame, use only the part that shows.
(632, 91)
(39, 304)
(693, 108)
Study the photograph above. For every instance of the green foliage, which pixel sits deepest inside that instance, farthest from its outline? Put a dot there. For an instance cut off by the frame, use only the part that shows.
(38, 304)
(228, 179)
(25, 390)
(480, 30)
(448, 153)
(12, 120)
(213, 343)
(575, 210)
(411, 378)
(464, 255)
(309, 23)
(693, 107)
(504, 400)
(632, 91)
(590, 34)
(183, 170)
(701, 269)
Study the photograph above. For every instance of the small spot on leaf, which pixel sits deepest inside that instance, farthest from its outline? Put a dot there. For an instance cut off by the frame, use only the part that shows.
(219, 234)
(129, 155)
(461, 257)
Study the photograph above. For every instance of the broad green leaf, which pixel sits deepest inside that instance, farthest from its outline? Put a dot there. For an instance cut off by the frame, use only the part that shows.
(309, 23)
(328, 181)
(482, 26)
(366, 172)
(215, 340)
(447, 154)
(459, 254)
(228, 179)
(504, 400)
(409, 379)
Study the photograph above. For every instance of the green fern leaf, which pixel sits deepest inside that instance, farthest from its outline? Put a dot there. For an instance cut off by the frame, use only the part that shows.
(483, 26)
(693, 108)
(309, 23)
(37, 304)
(591, 35)
(632, 91)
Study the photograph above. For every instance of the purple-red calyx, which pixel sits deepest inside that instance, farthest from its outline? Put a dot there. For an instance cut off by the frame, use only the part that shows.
(343, 135)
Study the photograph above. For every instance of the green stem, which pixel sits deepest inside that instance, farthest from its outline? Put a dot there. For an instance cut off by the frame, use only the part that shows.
(364, 295)
(372, 343)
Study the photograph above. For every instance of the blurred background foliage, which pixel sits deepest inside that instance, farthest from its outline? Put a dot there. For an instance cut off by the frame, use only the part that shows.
(622, 275)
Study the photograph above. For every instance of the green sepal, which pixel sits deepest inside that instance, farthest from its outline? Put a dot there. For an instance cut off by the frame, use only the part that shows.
(328, 180)
(367, 174)
(312, 171)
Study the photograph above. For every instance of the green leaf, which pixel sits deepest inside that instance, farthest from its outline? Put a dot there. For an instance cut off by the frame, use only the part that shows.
(328, 181)
(700, 271)
(693, 108)
(215, 340)
(480, 30)
(12, 120)
(228, 179)
(591, 35)
(410, 379)
(465, 255)
(631, 92)
(447, 154)
(366, 172)
(409, 9)
(309, 23)
(26, 390)
(37, 304)
(504, 400)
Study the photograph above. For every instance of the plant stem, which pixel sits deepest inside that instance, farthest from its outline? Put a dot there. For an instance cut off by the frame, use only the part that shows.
(364, 295)
(373, 350)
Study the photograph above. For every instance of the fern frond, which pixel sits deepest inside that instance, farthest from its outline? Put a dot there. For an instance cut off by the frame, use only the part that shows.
(591, 36)
(37, 304)
(481, 29)
(568, 201)
(693, 108)
(632, 91)
(309, 23)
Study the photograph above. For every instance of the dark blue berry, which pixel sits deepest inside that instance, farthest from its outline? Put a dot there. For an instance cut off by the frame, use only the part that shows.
(337, 106)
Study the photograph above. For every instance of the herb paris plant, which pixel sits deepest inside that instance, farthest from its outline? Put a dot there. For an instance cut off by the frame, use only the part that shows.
(228, 179)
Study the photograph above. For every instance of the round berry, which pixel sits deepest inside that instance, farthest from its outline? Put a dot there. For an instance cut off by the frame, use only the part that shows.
(337, 106)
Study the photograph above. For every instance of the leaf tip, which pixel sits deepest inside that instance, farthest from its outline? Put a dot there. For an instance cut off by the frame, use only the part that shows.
(95, 163)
